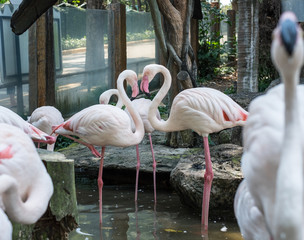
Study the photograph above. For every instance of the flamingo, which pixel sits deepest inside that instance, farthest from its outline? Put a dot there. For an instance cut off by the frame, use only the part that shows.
(10, 117)
(25, 185)
(106, 125)
(142, 105)
(44, 118)
(203, 110)
(272, 162)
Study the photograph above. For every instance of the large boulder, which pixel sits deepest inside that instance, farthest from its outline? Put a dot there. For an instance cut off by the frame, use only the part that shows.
(187, 178)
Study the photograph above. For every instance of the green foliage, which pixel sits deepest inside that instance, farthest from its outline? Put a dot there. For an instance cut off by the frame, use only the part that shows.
(62, 142)
(210, 49)
(266, 75)
(71, 43)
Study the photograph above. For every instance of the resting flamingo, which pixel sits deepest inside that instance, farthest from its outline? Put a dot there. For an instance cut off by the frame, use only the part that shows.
(44, 118)
(106, 125)
(25, 185)
(272, 162)
(142, 105)
(10, 117)
(203, 110)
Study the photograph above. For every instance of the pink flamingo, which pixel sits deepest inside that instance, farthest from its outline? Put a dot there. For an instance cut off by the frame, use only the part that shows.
(11, 118)
(106, 125)
(142, 105)
(44, 118)
(204, 110)
(272, 162)
(25, 185)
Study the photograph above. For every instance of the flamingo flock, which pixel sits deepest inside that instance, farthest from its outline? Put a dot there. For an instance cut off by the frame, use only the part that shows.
(269, 201)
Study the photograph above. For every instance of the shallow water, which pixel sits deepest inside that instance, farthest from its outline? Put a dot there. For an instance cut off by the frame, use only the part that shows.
(123, 219)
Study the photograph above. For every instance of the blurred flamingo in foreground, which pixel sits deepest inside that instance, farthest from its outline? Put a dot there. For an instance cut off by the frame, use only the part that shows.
(142, 105)
(203, 110)
(272, 162)
(44, 118)
(25, 185)
(106, 125)
(11, 118)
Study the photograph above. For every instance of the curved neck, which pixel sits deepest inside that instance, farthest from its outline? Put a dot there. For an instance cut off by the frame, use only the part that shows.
(29, 211)
(155, 122)
(289, 190)
(139, 126)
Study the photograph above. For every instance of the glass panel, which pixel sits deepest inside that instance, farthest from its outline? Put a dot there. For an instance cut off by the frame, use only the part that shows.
(14, 64)
(140, 42)
(84, 74)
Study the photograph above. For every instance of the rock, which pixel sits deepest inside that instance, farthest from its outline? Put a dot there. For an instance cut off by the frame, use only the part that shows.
(187, 178)
(120, 162)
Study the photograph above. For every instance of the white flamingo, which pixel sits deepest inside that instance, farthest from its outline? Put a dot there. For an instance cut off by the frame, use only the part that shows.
(106, 125)
(25, 185)
(11, 118)
(44, 118)
(272, 162)
(203, 110)
(142, 105)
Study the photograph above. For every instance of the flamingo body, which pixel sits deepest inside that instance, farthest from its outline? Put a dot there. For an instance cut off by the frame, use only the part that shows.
(25, 185)
(272, 162)
(44, 118)
(11, 118)
(204, 110)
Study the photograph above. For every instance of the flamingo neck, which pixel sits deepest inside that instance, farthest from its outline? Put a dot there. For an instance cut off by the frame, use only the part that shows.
(139, 126)
(29, 211)
(289, 189)
(155, 122)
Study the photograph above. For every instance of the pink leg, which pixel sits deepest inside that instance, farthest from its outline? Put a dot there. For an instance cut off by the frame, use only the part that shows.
(91, 147)
(100, 184)
(208, 177)
(154, 167)
(137, 172)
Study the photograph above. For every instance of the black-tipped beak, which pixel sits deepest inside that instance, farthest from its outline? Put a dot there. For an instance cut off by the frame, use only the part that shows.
(147, 94)
(132, 98)
(289, 35)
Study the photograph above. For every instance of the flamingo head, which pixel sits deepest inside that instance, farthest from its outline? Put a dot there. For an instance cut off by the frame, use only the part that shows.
(287, 45)
(132, 80)
(148, 74)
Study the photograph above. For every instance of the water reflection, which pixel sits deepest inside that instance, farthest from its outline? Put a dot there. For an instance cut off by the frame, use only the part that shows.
(124, 219)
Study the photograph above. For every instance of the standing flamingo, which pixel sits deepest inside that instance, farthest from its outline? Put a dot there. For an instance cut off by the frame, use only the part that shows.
(25, 185)
(10, 117)
(44, 118)
(142, 105)
(272, 162)
(203, 110)
(106, 125)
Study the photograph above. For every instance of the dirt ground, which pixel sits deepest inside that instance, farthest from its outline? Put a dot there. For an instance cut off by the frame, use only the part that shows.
(222, 83)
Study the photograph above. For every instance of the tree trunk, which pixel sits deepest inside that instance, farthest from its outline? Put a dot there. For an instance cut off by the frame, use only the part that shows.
(248, 38)
(176, 25)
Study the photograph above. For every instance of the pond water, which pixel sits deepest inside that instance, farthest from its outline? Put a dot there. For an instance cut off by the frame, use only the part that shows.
(123, 219)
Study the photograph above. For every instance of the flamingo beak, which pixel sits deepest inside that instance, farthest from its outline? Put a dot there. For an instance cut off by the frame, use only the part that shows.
(135, 90)
(144, 85)
(289, 35)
